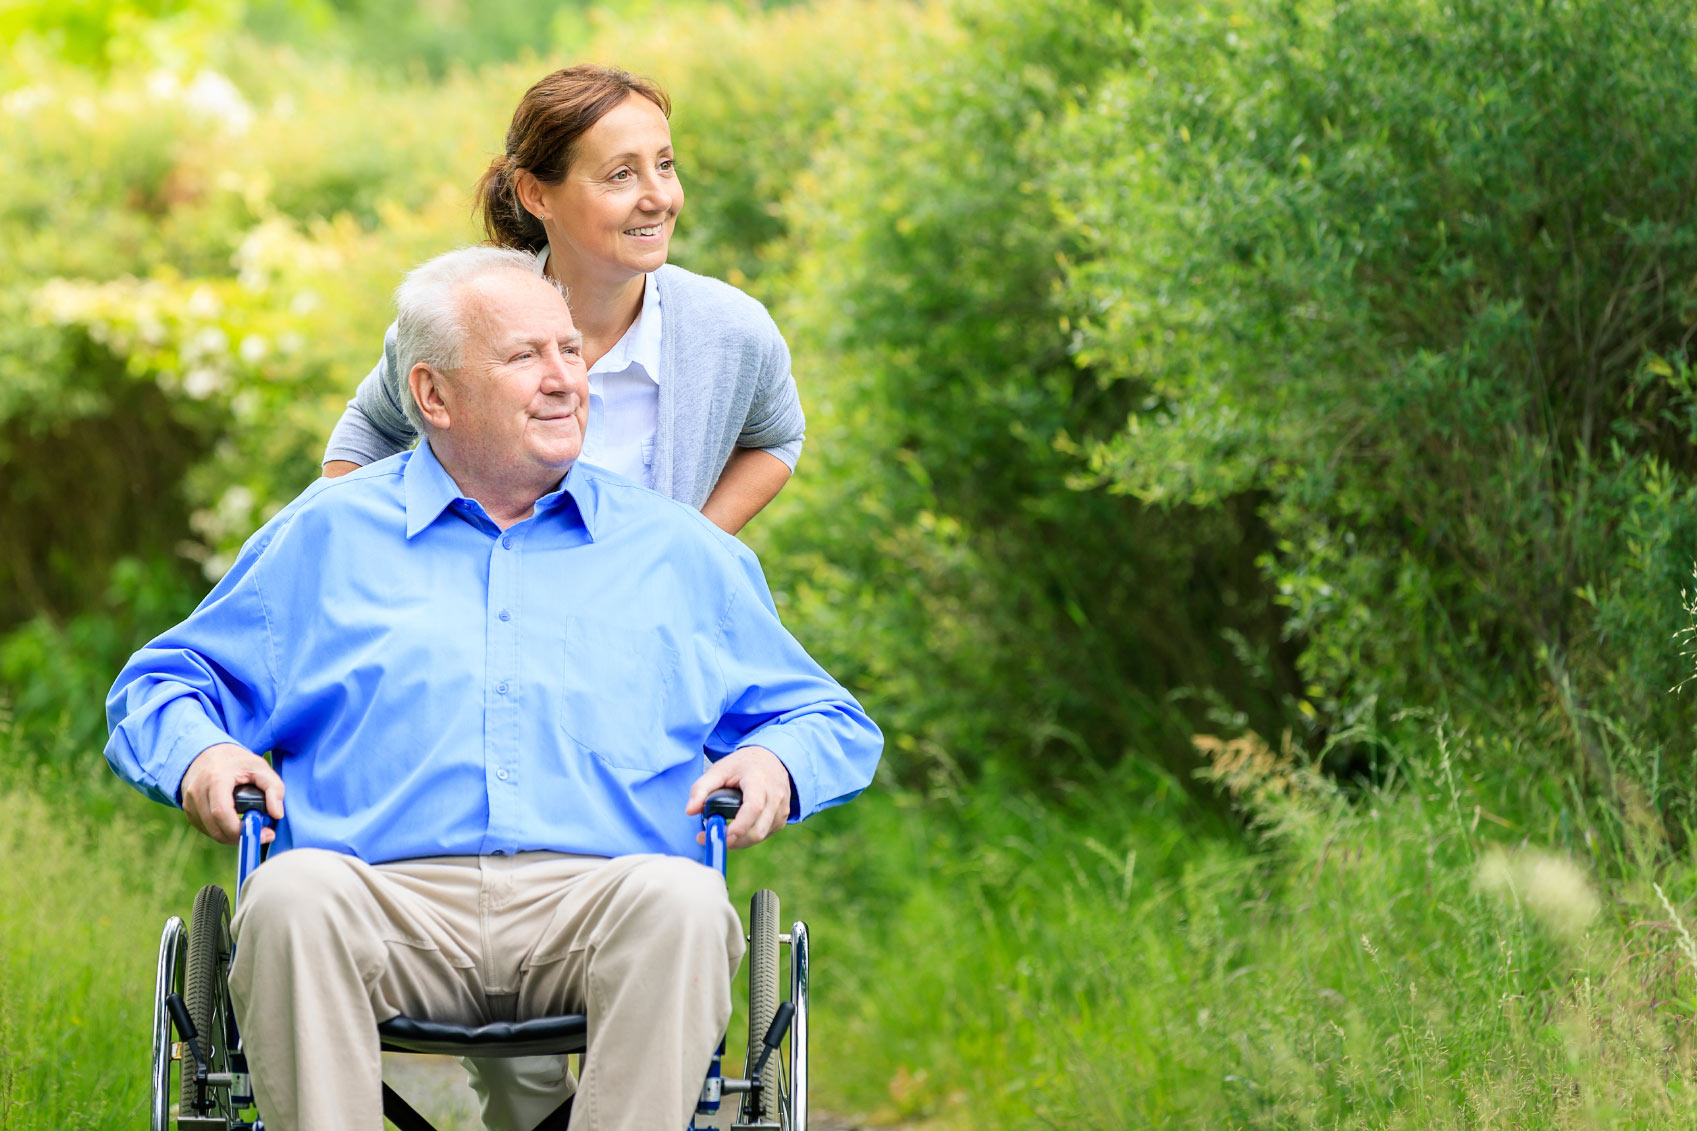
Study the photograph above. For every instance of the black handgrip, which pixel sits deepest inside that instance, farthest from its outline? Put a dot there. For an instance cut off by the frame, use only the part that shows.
(774, 1034)
(180, 1017)
(723, 803)
(780, 1025)
(249, 799)
(191, 1039)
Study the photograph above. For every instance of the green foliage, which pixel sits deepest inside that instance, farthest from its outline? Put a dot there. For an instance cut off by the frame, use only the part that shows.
(1296, 284)
(246, 236)
(400, 36)
(754, 100)
(1418, 274)
(957, 567)
(105, 34)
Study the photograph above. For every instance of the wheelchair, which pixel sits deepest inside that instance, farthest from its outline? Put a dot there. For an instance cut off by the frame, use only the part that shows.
(200, 1073)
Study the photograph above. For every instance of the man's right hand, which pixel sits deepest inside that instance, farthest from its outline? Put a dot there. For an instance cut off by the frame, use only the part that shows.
(209, 788)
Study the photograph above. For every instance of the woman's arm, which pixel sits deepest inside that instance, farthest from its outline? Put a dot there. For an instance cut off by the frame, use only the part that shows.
(768, 446)
(374, 425)
(751, 479)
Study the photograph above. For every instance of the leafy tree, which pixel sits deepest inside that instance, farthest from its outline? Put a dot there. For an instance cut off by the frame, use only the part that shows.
(1419, 275)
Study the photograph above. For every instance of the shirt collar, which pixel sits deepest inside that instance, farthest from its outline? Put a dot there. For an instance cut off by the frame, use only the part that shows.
(641, 343)
(639, 348)
(430, 490)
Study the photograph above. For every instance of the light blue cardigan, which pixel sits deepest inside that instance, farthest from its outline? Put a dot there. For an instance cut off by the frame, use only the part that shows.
(725, 383)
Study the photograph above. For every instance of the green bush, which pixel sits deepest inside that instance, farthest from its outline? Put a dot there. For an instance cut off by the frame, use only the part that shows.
(1204, 368)
(205, 245)
(934, 539)
(1418, 277)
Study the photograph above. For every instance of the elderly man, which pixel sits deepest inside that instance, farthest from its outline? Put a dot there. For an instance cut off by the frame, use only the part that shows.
(487, 675)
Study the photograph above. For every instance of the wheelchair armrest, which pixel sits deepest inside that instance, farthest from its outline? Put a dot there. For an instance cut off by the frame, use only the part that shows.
(722, 803)
(249, 799)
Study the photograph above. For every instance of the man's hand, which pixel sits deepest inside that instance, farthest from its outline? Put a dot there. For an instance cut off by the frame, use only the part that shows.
(765, 786)
(209, 789)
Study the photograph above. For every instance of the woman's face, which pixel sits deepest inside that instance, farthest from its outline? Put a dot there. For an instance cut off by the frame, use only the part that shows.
(610, 219)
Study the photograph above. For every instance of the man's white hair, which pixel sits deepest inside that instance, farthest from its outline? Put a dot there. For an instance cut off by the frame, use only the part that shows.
(430, 326)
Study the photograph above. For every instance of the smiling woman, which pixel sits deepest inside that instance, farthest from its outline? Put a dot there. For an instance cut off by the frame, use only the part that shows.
(609, 219)
(690, 391)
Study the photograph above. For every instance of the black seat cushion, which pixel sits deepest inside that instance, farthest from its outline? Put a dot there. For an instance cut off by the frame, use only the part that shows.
(499, 1038)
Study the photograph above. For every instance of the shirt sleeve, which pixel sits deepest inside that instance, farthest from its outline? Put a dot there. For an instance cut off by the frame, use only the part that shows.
(374, 426)
(776, 423)
(210, 679)
(777, 697)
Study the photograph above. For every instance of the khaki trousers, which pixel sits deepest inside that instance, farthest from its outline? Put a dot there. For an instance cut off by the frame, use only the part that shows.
(327, 946)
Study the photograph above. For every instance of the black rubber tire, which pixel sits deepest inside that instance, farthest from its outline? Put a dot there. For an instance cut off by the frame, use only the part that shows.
(206, 992)
(763, 996)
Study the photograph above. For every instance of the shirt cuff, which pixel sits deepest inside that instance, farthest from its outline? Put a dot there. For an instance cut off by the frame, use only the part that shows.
(195, 735)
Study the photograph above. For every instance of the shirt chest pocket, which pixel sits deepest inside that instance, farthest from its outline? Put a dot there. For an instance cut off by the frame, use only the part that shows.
(619, 696)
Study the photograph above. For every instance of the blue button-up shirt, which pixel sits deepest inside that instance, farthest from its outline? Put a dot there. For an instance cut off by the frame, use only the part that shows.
(429, 684)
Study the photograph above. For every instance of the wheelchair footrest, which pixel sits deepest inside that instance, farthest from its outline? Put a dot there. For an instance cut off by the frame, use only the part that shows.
(537, 1037)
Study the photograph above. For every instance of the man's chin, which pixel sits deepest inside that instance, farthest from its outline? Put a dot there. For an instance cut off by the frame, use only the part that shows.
(549, 472)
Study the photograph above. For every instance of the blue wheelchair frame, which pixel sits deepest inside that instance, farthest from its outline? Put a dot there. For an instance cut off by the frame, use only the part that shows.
(512, 1039)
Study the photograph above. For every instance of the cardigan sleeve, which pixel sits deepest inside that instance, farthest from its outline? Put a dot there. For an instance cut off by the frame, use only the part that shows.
(374, 426)
(775, 423)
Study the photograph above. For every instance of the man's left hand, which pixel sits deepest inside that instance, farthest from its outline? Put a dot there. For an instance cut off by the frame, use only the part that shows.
(765, 785)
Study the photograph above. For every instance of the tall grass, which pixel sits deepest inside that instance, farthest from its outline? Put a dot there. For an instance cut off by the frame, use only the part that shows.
(1407, 956)
(1435, 950)
(82, 902)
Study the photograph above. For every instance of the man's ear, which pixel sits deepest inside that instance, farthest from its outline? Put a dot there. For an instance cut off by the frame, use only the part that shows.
(428, 385)
(528, 190)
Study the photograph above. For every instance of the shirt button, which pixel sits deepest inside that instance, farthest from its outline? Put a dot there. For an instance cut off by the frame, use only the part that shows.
(502, 774)
(507, 541)
(505, 615)
(501, 688)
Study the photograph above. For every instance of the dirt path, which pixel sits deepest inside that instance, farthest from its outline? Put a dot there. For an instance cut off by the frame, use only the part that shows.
(436, 1086)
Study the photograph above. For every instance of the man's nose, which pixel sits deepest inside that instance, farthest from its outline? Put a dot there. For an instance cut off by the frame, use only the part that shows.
(557, 372)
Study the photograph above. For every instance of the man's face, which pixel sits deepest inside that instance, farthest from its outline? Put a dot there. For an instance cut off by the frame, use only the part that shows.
(518, 403)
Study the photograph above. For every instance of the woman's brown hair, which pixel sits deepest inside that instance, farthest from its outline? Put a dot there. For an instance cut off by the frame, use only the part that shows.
(542, 140)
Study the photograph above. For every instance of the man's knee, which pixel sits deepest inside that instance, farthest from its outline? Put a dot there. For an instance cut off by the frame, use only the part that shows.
(685, 899)
(301, 885)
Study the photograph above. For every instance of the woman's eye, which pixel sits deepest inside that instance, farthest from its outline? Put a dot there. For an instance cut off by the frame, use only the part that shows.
(667, 165)
(622, 175)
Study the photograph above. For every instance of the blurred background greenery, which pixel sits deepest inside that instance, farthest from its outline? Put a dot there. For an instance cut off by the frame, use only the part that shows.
(1250, 476)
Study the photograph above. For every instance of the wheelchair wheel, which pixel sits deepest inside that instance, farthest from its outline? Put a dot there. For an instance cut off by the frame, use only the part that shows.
(795, 1109)
(206, 992)
(167, 981)
(763, 996)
